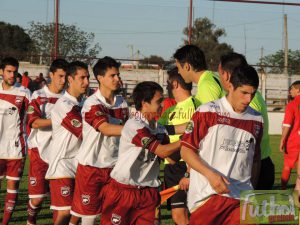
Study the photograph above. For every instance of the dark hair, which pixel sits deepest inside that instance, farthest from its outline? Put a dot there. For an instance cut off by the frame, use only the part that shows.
(174, 75)
(74, 66)
(296, 84)
(244, 75)
(193, 55)
(232, 60)
(59, 64)
(145, 91)
(103, 64)
(9, 61)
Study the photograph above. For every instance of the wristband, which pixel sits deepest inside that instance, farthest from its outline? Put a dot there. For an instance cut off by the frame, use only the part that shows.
(170, 129)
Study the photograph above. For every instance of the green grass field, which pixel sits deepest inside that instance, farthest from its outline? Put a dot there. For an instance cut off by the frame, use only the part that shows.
(45, 217)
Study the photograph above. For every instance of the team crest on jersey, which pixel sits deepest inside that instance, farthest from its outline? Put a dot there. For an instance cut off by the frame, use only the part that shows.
(65, 191)
(115, 219)
(189, 127)
(32, 181)
(12, 110)
(85, 199)
(75, 123)
(145, 141)
(99, 113)
(30, 109)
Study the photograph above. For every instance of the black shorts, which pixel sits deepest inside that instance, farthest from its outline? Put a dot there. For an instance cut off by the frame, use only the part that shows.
(173, 174)
(267, 175)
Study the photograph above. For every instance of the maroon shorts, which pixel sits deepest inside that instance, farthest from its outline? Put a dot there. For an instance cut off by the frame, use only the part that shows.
(217, 210)
(89, 184)
(61, 193)
(290, 159)
(126, 204)
(12, 168)
(38, 186)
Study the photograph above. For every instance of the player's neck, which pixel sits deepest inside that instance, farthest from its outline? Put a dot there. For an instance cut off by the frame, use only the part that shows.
(53, 89)
(181, 96)
(74, 93)
(196, 76)
(107, 94)
(6, 86)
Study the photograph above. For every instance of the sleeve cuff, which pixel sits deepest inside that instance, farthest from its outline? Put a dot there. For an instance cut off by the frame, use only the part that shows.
(188, 145)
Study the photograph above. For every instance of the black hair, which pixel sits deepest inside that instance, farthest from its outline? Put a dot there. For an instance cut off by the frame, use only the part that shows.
(9, 61)
(244, 75)
(296, 84)
(74, 66)
(174, 75)
(59, 64)
(145, 91)
(103, 64)
(232, 60)
(192, 55)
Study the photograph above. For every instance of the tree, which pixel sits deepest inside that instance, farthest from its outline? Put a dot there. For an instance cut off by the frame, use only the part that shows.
(153, 59)
(14, 41)
(206, 36)
(276, 62)
(73, 42)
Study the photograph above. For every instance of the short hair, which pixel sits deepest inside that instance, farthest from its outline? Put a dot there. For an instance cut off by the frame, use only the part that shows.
(232, 60)
(296, 84)
(9, 61)
(244, 75)
(145, 91)
(74, 66)
(174, 75)
(193, 55)
(58, 64)
(103, 64)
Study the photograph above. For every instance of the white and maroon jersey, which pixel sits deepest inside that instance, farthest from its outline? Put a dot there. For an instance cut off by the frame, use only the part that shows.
(40, 107)
(227, 142)
(13, 106)
(97, 149)
(66, 138)
(137, 163)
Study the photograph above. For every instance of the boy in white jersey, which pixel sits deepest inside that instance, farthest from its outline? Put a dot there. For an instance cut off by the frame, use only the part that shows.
(104, 115)
(132, 195)
(39, 121)
(13, 105)
(222, 146)
(66, 139)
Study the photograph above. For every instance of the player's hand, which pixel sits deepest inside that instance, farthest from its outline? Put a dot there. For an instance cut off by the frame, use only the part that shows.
(184, 183)
(282, 147)
(219, 183)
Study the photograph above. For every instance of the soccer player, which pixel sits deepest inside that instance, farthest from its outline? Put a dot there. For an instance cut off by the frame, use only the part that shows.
(66, 139)
(221, 144)
(14, 102)
(227, 64)
(132, 195)
(39, 113)
(290, 138)
(104, 115)
(178, 172)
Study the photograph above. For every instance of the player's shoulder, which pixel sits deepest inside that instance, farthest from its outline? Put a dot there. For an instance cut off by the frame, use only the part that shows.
(23, 91)
(213, 106)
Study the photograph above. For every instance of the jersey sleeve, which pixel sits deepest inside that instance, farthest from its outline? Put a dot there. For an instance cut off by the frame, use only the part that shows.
(34, 111)
(144, 139)
(73, 121)
(209, 91)
(97, 115)
(288, 116)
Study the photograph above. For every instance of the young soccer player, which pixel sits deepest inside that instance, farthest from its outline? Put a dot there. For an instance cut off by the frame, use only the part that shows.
(39, 121)
(132, 195)
(290, 138)
(66, 139)
(14, 102)
(221, 144)
(104, 115)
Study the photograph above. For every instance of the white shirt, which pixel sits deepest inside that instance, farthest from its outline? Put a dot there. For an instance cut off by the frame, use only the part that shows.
(66, 138)
(13, 105)
(227, 142)
(97, 149)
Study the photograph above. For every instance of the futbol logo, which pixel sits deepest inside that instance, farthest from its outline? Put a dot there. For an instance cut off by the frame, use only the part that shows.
(30, 110)
(85, 199)
(32, 181)
(115, 219)
(65, 191)
(75, 123)
(189, 127)
(145, 141)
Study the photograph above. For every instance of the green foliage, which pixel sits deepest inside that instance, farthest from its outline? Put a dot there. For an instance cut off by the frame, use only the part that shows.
(207, 36)
(73, 42)
(14, 41)
(153, 59)
(276, 62)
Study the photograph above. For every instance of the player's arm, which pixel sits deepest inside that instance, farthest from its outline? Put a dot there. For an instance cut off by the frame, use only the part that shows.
(41, 123)
(286, 127)
(175, 129)
(256, 166)
(110, 129)
(217, 181)
(164, 151)
(185, 181)
(284, 137)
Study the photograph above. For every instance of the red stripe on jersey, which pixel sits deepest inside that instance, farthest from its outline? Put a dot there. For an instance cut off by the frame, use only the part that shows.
(145, 139)
(13, 99)
(198, 127)
(97, 115)
(73, 122)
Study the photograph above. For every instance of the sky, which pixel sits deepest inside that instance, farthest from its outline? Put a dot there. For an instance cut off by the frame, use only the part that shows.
(156, 27)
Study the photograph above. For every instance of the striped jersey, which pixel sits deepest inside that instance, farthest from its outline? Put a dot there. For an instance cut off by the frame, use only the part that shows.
(66, 138)
(40, 107)
(13, 106)
(228, 142)
(97, 149)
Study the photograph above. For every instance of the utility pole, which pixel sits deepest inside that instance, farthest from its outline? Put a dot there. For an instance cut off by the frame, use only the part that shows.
(56, 52)
(190, 22)
(245, 37)
(132, 54)
(286, 48)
